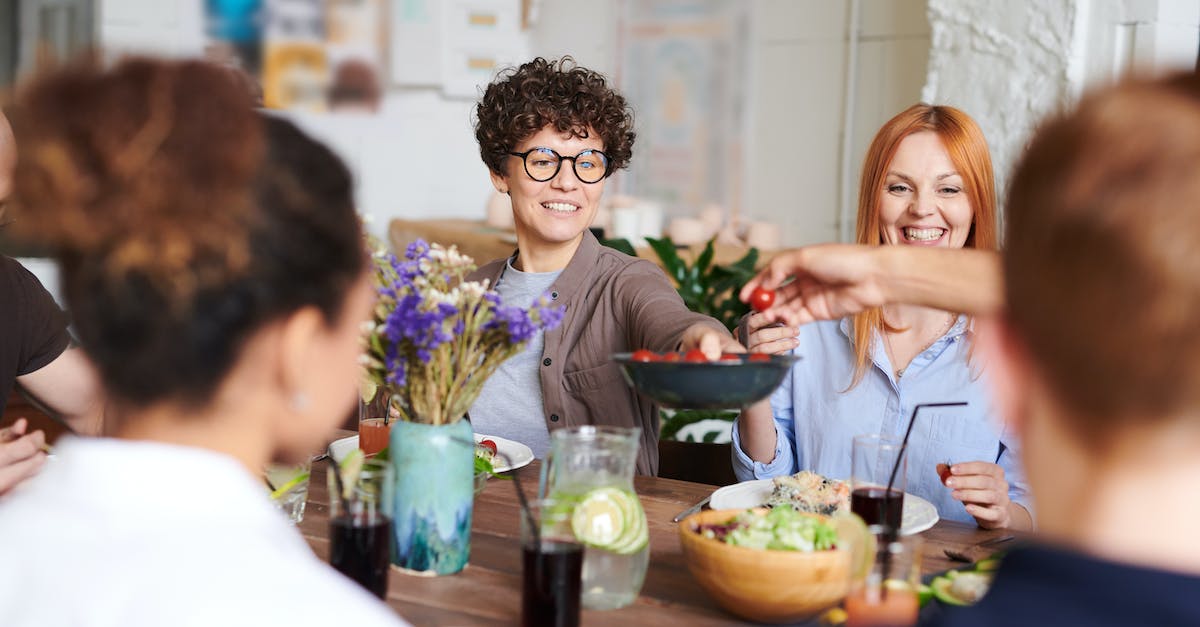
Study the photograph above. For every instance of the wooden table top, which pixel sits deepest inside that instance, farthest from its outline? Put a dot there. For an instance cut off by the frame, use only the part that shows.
(488, 591)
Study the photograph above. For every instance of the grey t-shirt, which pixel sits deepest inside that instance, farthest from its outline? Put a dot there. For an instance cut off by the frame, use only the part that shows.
(510, 403)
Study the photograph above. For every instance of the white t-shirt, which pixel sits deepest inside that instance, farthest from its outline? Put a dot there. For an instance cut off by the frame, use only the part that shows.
(510, 402)
(117, 533)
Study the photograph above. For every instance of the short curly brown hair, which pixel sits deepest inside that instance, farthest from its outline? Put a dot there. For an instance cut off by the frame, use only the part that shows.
(559, 93)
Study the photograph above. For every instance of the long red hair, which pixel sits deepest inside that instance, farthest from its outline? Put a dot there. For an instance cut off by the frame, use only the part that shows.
(967, 147)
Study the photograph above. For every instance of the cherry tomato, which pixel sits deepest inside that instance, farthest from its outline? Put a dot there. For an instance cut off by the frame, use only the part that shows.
(671, 357)
(488, 444)
(762, 299)
(695, 356)
(644, 355)
(730, 357)
(759, 357)
(943, 471)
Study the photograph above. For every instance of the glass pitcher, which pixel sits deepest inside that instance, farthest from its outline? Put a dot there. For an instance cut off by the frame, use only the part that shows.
(591, 470)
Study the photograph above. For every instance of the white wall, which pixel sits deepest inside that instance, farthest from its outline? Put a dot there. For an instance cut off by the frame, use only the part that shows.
(805, 146)
(418, 157)
(1005, 63)
(1008, 64)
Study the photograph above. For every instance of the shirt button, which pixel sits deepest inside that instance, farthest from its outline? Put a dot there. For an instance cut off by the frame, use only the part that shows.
(553, 417)
(553, 295)
(546, 361)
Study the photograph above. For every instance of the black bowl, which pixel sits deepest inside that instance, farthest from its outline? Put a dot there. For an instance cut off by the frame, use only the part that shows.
(725, 384)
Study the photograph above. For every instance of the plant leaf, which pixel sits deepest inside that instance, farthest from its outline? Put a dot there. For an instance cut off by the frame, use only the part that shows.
(620, 244)
(665, 249)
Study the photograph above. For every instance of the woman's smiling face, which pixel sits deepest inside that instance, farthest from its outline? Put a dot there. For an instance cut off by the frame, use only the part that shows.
(923, 202)
(556, 211)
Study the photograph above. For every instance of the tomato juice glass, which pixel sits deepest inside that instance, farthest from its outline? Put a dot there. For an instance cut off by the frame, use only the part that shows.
(374, 423)
(887, 597)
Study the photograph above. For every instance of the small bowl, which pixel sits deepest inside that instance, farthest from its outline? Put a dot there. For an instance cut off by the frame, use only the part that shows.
(725, 384)
(763, 585)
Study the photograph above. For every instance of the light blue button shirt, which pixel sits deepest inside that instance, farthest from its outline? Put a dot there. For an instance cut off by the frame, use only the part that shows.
(816, 417)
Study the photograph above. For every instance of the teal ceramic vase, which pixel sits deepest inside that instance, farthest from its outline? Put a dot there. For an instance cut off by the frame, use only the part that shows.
(434, 466)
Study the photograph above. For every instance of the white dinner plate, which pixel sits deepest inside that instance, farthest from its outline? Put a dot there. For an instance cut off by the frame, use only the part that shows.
(918, 515)
(518, 454)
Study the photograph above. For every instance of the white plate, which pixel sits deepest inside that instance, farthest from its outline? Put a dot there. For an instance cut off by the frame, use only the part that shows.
(918, 516)
(518, 454)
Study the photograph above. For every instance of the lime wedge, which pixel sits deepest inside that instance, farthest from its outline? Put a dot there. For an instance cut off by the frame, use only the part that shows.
(287, 486)
(637, 533)
(366, 389)
(349, 469)
(599, 519)
(853, 535)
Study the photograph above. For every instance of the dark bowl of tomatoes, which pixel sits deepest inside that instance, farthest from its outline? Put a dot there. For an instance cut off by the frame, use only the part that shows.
(689, 381)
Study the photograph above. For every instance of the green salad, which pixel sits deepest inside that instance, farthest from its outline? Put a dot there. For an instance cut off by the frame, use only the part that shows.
(781, 529)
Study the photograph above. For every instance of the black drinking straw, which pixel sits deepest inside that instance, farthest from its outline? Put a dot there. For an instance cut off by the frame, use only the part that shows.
(887, 494)
(889, 534)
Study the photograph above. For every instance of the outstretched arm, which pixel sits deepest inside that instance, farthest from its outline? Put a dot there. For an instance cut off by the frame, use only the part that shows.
(831, 281)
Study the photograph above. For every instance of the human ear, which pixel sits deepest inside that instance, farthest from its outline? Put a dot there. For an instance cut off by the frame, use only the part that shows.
(299, 355)
(499, 181)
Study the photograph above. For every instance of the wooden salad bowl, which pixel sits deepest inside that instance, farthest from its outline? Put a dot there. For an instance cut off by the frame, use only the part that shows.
(763, 585)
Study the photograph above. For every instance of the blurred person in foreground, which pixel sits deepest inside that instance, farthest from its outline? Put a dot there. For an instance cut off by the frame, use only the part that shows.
(551, 133)
(927, 182)
(35, 353)
(1093, 348)
(214, 263)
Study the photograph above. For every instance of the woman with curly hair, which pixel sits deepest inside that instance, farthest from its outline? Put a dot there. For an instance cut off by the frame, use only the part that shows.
(551, 133)
(213, 262)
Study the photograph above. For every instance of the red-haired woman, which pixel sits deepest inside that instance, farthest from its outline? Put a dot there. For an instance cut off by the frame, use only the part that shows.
(927, 182)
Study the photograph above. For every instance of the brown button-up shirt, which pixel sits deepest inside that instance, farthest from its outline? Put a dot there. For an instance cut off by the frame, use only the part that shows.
(614, 303)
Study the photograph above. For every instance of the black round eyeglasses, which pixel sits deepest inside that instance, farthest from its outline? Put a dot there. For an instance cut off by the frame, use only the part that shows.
(543, 164)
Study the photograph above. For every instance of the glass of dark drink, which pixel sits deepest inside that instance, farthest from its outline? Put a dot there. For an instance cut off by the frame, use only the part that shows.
(873, 458)
(360, 525)
(552, 569)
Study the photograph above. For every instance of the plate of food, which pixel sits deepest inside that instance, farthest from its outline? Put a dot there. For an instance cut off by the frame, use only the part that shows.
(810, 492)
(510, 455)
(690, 381)
(513, 454)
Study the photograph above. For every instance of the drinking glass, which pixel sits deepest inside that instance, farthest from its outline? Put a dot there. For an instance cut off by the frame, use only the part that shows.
(887, 597)
(288, 484)
(360, 528)
(873, 458)
(552, 566)
(374, 423)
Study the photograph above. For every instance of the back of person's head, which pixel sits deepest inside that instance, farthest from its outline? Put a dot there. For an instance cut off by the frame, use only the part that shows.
(184, 221)
(559, 94)
(967, 147)
(1102, 258)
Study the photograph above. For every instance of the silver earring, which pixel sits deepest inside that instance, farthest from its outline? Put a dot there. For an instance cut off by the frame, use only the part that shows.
(300, 401)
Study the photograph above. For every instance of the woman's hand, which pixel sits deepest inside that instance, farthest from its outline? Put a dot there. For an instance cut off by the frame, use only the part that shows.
(21, 454)
(708, 340)
(766, 336)
(982, 488)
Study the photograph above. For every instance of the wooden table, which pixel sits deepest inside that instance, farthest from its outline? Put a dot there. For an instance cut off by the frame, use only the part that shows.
(488, 591)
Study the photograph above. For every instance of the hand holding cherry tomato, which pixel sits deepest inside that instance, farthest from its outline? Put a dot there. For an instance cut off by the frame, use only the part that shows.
(761, 299)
